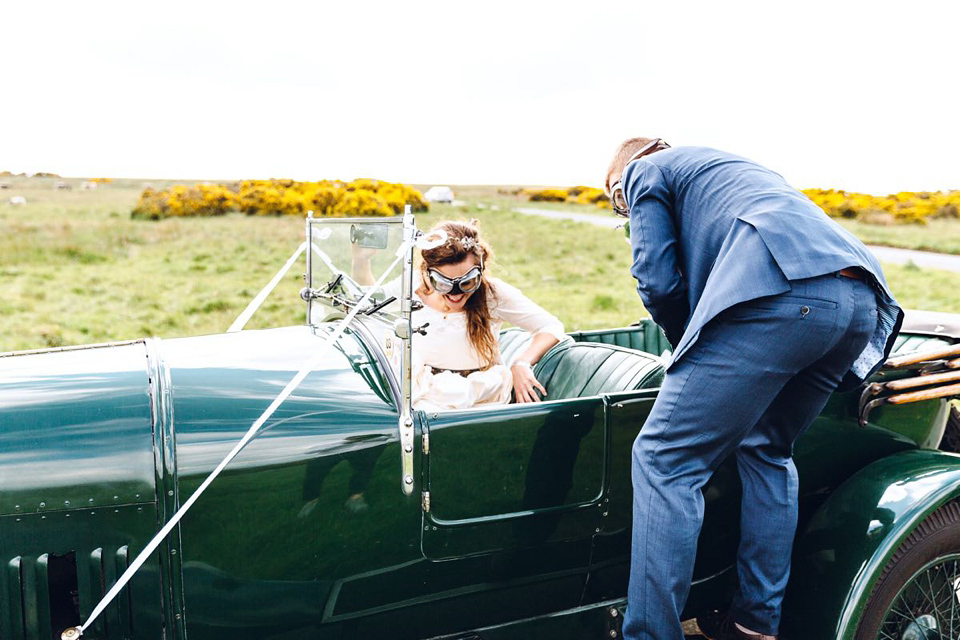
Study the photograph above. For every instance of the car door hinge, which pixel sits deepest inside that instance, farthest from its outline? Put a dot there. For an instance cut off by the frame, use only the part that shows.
(425, 501)
(425, 441)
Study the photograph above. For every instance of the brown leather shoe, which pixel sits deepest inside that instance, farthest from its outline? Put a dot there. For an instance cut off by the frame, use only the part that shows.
(720, 626)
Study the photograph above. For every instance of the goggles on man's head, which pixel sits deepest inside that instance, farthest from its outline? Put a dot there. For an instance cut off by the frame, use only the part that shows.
(619, 201)
(467, 283)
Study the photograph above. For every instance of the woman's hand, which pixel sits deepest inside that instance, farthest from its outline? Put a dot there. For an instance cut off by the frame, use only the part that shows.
(524, 382)
(362, 253)
(360, 268)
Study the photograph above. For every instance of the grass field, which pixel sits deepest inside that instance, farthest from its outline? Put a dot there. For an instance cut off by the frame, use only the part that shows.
(75, 269)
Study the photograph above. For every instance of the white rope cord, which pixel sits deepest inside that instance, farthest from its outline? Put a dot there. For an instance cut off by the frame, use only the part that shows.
(293, 384)
(251, 309)
(244, 317)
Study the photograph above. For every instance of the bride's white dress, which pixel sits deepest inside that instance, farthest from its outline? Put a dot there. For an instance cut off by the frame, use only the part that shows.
(446, 346)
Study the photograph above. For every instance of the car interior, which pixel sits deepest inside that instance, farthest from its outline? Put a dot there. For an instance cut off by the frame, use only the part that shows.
(591, 363)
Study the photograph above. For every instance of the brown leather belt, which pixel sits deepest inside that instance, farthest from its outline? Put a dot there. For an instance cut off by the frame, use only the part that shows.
(459, 372)
(852, 272)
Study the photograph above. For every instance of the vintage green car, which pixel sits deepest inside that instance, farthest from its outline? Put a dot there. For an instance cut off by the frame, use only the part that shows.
(347, 514)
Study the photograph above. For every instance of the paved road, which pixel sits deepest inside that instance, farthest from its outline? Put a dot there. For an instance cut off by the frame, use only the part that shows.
(923, 259)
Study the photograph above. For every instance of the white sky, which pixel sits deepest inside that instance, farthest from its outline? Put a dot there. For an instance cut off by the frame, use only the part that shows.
(855, 95)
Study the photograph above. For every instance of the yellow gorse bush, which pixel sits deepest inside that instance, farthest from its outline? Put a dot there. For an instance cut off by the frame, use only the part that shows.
(916, 207)
(334, 198)
(579, 194)
(592, 195)
(548, 195)
(181, 200)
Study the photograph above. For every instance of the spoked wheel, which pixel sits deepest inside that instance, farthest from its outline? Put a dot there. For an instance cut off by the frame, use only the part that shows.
(926, 607)
(918, 595)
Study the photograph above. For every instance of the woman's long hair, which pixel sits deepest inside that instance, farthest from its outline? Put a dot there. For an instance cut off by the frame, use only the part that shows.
(463, 239)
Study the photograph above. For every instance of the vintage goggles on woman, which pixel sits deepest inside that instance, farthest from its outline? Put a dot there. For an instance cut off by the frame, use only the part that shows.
(617, 199)
(467, 283)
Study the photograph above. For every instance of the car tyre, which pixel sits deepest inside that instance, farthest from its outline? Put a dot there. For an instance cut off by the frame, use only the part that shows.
(918, 594)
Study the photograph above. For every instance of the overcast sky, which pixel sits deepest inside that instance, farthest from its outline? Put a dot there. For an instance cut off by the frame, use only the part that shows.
(855, 95)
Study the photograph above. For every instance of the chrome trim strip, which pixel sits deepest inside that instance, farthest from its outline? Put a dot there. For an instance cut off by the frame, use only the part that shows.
(79, 347)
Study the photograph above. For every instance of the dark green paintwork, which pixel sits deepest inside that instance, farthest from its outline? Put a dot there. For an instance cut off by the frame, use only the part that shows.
(77, 477)
(528, 530)
(76, 430)
(845, 546)
(272, 546)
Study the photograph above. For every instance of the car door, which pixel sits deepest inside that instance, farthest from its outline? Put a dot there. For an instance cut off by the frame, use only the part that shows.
(513, 501)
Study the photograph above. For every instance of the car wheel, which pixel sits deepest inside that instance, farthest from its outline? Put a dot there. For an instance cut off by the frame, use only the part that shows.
(918, 594)
(951, 434)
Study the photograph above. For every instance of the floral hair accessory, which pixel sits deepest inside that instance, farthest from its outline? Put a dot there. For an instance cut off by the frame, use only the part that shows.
(467, 243)
(432, 240)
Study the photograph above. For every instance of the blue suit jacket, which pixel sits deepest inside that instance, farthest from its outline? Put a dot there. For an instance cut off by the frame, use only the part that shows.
(710, 229)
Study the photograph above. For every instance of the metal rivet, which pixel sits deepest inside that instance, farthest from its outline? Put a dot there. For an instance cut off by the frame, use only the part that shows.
(170, 493)
(17, 507)
(408, 479)
(613, 633)
(66, 503)
(43, 504)
(173, 552)
(177, 616)
(90, 500)
(614, 613)
(597, 530)
(408, 448)
(116, 497)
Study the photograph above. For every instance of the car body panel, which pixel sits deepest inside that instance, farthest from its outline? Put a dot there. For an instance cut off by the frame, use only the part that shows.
(77, 430)
(843, 549)
(77, 454)
(284, 503)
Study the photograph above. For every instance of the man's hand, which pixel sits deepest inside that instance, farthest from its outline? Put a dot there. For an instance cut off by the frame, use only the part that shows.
(524, 382)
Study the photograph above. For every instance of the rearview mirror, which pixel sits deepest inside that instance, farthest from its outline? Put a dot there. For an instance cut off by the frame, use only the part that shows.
(369, 236)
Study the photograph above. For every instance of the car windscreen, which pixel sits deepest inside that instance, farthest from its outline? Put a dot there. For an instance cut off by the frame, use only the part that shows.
(348, 257)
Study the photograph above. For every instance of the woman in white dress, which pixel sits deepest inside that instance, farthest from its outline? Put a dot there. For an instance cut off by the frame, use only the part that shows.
(457, 364)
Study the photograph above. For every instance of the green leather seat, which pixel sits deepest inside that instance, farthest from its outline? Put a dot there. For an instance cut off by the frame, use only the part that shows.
(644, 336)
(581, 369)
(908, 343)
(512, 343)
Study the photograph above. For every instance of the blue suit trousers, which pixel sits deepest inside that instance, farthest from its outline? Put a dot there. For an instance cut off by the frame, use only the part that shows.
(755, 379)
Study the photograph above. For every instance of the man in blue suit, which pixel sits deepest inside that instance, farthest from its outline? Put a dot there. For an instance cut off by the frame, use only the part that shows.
(770, 306)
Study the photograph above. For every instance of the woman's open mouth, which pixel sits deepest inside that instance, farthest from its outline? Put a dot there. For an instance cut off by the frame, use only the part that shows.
(455, 299)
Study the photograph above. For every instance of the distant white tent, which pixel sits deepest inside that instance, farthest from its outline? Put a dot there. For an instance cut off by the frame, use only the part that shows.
(439, 194)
